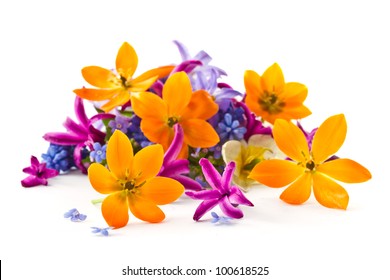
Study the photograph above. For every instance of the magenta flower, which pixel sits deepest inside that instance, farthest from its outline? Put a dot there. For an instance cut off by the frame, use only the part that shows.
(309, 135)
(178, 168)
(222, 193)
(39, 174)
(80, 134)
(253, 126)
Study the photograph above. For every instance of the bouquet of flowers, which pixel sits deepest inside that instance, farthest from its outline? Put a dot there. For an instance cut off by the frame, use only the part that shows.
(179, 129)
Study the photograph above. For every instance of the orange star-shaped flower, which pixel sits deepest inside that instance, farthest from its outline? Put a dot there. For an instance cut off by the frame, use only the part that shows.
(269, 97)
(177, 105)
(309, 169)
(132, 182)
(117, 87)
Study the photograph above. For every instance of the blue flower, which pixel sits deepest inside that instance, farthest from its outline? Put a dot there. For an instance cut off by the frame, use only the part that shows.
(102, 231)
(135, 132)
(99, 152)
(219, 219)
(230, 128)
(59, 157)
(75, 215)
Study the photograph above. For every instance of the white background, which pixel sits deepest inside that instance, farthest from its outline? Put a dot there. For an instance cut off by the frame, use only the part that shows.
(339, 49)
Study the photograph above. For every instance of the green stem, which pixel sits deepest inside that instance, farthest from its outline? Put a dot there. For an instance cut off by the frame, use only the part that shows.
(96, 201)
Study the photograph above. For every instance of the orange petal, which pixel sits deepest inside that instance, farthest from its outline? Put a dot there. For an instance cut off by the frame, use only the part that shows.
(253, 104)
(115, 209)
(294, 111)
(273, 79)
(291, 140)
(294, 92)
(96, 94)
(120, 99)
(329, 138)
(201, 106)
(157, 73)
(299, 191)
(145, 209)
(345, 170)
(162, 190)
(253, 88)
(252, 82)
(119, 154)
(102, 180)
(99, 77)
(328, 193)
(126, 60)
(199, 133)
(276, 173)
(148, 105)
(157, 131)
(177, 92)
(147, 163)
(142, 85)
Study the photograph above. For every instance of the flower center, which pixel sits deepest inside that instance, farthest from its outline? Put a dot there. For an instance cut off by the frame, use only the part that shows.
(129, 185)
(172, 121)
(270, 103)
(310, 165)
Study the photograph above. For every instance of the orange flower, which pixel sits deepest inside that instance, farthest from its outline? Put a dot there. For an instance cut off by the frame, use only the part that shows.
(177, 105)
(311, 168)
(269, 97)
(117, 87)
(132, 182)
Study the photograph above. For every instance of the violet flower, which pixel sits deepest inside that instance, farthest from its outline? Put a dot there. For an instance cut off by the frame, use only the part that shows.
(177, 168)
(80, 134)
(222, 193)
(201, 74)
(39, 174)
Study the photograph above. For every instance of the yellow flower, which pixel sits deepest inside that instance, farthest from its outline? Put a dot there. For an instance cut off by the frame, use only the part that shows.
(178, 104)
(117, 87)
(247, 154)
(132, 182)
(309, 169)
(269, 97)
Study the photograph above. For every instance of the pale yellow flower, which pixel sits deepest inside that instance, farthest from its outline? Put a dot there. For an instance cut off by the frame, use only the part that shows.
(247, 154)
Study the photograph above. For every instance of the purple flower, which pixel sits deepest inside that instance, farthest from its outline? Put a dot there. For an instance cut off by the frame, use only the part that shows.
(79, 134)
(75, 215)
(177, 168)
(222, 193)
(224, 96)
(39, 174)
(121, 123)
(99, 152)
